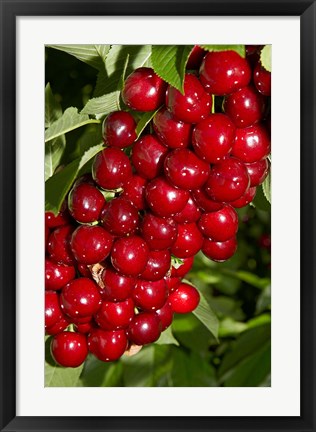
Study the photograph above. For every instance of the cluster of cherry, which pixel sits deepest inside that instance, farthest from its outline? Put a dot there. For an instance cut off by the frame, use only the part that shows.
(118, 251)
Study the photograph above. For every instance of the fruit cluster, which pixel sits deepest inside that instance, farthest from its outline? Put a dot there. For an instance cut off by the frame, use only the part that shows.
(118, 251)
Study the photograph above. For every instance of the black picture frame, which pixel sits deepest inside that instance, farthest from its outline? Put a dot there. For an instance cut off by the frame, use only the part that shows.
(9, 10)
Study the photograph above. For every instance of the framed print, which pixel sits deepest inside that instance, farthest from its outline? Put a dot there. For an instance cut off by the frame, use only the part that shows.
(213, 358)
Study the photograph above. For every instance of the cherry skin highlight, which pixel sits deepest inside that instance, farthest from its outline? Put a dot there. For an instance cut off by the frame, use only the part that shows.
(119, 129)
(130, 255)
(69, 349)
(107, 345)
(85, 203)
(184, 299)
(57, 275)
(172, 132)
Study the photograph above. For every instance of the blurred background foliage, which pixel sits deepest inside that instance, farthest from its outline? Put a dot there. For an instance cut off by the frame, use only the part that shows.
(238, 291)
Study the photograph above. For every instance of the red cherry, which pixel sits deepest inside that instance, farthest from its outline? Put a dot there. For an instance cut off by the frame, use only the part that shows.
(60, 326)
(129, 255)
(107, 345)
(117, 287)
(195, 57)
(184, 299)
(111, 168)
(258, 171)
(158, 232)
(59, 245)
(150, 295)
(172, 282)
(91, 244)
(53, 312)
(165, 314)
(185, 170)
(213, 137)
(262, 79)
(134, 191)
(190, 213)
(204, 202)
(145, 328)
(245, 107)
(157, 266)
(251, 144)
(172, 132)
(80, 298)
(189, 241)
(119, 217)
(228, 180)
(224, 72)
(245, 199)
(144, 90)
(115, 316)
(85, 203)
(62, 218)
(119, 129)
(84, 328)
(84, 270)
(192, 106)
(219, 251)
(69, 349)
(220, 225)
(184, 268)
(148, 155)
(57, 275)
(164, 199)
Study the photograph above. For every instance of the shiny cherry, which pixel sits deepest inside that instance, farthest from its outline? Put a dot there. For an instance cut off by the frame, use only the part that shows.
(258, 171)
(262, 79)
(159, 233)
(57, 275)
(80, 298)
(188, 242)
(148, 155)
(85, 203)
(204, 202)
(59, 327)
(111, 168)
(228, 180)
(165, 314)
(224, 72)
(185, 170)
(84, 328)
(143, 90)
(220, 225)
(157, 266)
(91, 244)
(53, 312)
(213, 137)
(134, 191)
(69, 349)
(184, 268)
(248, 196)
(120, 217)
(184, 299)
(251, 144)
(119, 129)
(172, 282)
(219, 251)
(117, 287)
(150, 295)
(107, 345)
(145, 328)
(172, 132)
(62, 218)
(129, 255)
(115, 315)
(59, 245)
(190, 213)
(195, 57)
(245, 107)
(164, 199)
(192, 106)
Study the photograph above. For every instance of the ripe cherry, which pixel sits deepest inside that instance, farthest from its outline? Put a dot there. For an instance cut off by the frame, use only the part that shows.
(120, 217)
(204, 202)
(157, 265)
(213, 137)
(53, 312)
(228, 180)
(80, 298)
(148, 155)
(192, 106)
(245, 199)
(262, 79)
(184, 299)
(190, 213)
(164, 199)
(107, 345)
(134, 191)
(150, 295)
(220, 225)
(91, 244)
(60, 326)
(84, 328)
(69, 349)
(245, 107)
(224, 72)
(219, 251)
(188, 242)
(114, 316)
(59, 245)
(251, 144)
(85, 203)
(172, 132)
(117, 287)
(185, 170)
(144, 90)
(258, 171)
(119, 129)
(172, 282)
(159, 233)
(145, 328)
(129, 255)
(195, 57)
(57, 275)
(111, 168)
(184, 268)
(62, 218)
(165, 314)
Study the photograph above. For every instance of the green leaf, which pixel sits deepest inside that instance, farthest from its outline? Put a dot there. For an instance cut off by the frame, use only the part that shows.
(229, 327)
(240, 49)
(167, 338)
(250, 278)
(260, 200)
(52, 108)
(93, 55)
(206, 315)
(265, 57)
(103, 105)
(69, 121)
(57, 186)
(54, 150)
(138, 370)
(143, 122)
(191, 333)
(266, 188)
(97, 373)
(169, 62)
